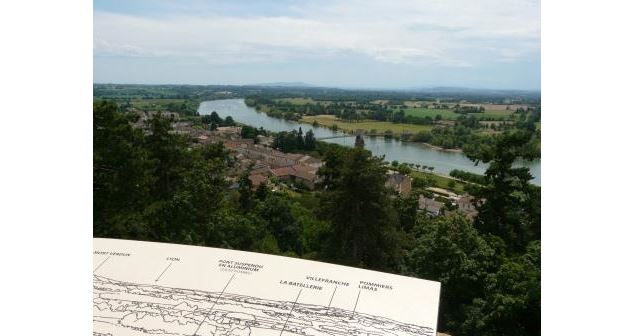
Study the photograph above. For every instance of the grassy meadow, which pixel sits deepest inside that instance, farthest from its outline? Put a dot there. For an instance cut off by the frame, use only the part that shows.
(441, 181)
(449, 114)
(367, 125)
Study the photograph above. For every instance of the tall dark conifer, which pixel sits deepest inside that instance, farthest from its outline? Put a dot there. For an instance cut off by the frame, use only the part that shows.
(357, 204)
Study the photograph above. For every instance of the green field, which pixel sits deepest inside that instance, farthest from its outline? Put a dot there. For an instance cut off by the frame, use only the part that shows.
(367, 125)
(441, 181)
(449, 114)
(297, 101)
(429, 112)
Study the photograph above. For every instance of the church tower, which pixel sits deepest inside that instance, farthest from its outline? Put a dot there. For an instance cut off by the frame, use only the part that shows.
(359, 139)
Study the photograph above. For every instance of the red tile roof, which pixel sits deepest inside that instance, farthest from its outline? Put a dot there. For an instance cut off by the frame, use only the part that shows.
(304, 172)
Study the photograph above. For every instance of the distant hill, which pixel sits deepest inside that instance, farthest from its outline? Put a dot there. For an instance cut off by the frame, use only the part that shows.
(456, 89)
(285, 84)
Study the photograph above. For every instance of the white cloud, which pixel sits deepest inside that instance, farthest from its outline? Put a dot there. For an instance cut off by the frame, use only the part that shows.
(448, 33)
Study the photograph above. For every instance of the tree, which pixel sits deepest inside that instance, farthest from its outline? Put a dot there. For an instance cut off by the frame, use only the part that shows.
(153, 186)
(168, 154)
(246, 198)
(403, 168)
(407, 209)
(309, 140)
(356, 203)
(511, 301)
(423, 136)
(121, 176)
(229, 121)
(292, 141)
(276, 211)
(450, 250)
(512, 205)
(248, 132)
(333, 157)
(286, 141)
(235, 230)
(299, 139)
(213, 120)
(399, 116)
(262, 192)
(185, 214)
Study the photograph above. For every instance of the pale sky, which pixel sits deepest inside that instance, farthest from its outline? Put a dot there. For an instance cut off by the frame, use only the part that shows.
(356, 43)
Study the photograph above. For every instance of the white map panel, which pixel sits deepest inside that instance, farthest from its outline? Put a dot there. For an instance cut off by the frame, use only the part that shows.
(143, 288)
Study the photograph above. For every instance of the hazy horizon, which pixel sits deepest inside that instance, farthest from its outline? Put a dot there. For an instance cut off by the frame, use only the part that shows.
(310, 85)
(374, 45)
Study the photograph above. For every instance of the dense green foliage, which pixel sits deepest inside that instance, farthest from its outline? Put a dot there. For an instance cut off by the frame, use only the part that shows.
(213, 121)
(450, 137)
(294, 141)
(484, 291)
(512, 209)
(158, 186)
(249, 132)
(363, 228)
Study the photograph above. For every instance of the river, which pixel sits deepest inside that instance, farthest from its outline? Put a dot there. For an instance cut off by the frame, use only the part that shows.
(442, 161)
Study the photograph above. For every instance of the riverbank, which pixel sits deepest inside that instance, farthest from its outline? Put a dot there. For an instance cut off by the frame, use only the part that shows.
(443, 161)
(370, 127)
(451, 150)
(367, 125)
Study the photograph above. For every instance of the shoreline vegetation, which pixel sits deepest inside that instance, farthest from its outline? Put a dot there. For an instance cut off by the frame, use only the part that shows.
(369, 126)
(455, 125)
(452, 150)
(313, 121)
